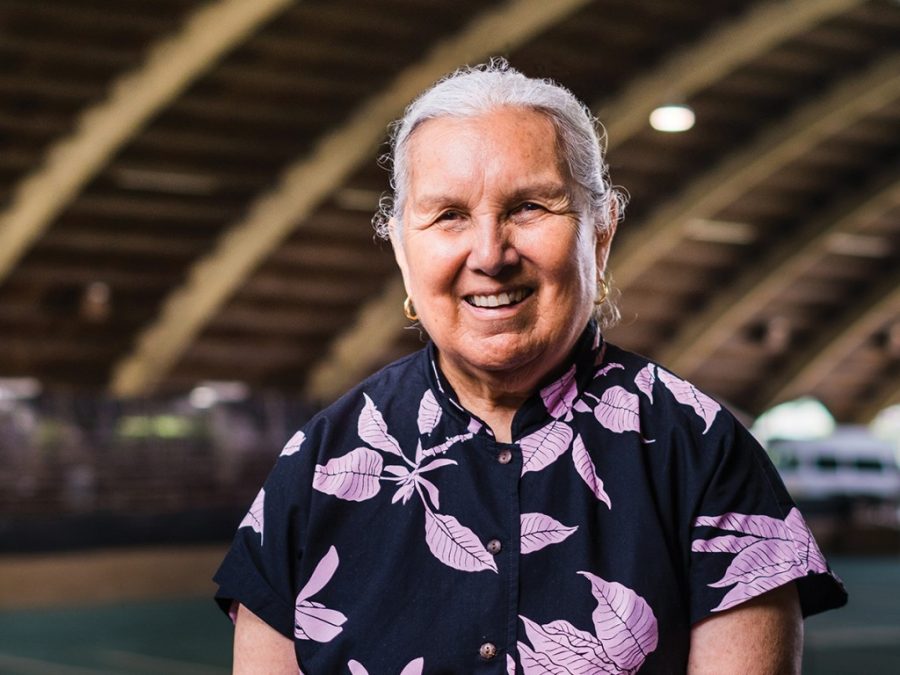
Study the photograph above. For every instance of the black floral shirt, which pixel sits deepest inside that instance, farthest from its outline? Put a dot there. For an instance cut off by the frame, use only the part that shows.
(397, 535)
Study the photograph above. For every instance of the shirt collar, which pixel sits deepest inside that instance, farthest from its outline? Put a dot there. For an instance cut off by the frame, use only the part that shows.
(553, 400)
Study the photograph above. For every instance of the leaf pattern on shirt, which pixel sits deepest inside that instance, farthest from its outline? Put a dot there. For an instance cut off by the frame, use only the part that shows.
(544, 446)
(770, 553)
(294, 444)
(373, 429)
(559, 396)
(429, 413)
(539, 530)
(357, 476)
(313, 620)
(255, 518)
(645, 380)
(353, 476)
(414, 667)
(618, 410)
(687, 394)
(584, 465)
(625, 632)
(456, 545)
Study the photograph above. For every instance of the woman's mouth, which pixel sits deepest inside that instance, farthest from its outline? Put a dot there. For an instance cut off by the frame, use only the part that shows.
(505, 299)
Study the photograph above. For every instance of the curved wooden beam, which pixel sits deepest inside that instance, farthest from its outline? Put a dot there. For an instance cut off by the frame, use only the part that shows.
(852, 99)
(722, 51)
(307, 182)
(709, 329)
(170, 66)
(860, 321)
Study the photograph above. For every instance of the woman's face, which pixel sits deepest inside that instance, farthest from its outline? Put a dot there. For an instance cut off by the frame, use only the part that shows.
(500, 267)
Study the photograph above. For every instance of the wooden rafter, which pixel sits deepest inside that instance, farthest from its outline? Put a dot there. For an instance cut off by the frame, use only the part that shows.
(732, 307)
(307, 182)
(74, 160)
(862, 319)
(858, 95)
(722, 51)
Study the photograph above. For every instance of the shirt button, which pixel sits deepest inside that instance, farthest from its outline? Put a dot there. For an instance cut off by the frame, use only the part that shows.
(494, 546)
(504, 456)
(487, 651)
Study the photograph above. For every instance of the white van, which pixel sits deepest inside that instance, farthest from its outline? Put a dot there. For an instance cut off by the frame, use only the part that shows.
(850, 464)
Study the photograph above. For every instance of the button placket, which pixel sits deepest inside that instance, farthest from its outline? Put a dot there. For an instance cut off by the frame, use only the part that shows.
(487, 651)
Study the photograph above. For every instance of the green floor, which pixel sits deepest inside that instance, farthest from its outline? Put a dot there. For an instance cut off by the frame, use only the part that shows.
(191, 637)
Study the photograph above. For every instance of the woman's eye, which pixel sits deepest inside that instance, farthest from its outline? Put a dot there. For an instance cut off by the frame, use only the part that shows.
(449, 215)
(526, 208)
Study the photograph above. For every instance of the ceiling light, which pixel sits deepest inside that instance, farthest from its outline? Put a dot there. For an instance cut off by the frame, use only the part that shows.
(672, 118)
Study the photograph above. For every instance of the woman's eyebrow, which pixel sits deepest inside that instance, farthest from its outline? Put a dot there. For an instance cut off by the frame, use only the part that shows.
(545, 190)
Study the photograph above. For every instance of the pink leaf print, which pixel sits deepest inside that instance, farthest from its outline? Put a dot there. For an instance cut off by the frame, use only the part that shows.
(773, 553)
(727, 544)
(373, 429)
(559, 396)
(294, 444)
(446, 445)
(414, 667)
(584, 465)
(582, 406)
(608, 367)
(456, 545)
(645, 380)
(618, 410)
(510, 665)
(761, 526)
(474, 426)
(544, 446)
(564, 645)
(353, 477)
(312, 620)
(686, 393)
(356, 668)
(537, 663)
(255, 517)
(429, 413)
(624, 622)
(539, 530)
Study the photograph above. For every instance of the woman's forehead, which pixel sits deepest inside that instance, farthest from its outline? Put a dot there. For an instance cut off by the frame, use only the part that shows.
(515, 146)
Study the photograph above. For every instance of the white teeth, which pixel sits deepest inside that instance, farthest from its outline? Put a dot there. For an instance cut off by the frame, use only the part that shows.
(498, 300)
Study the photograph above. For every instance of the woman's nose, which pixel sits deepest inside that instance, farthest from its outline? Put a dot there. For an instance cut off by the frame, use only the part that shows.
(493, 247)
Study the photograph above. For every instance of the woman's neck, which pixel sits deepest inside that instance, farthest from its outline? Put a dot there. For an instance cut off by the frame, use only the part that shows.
(493, 397)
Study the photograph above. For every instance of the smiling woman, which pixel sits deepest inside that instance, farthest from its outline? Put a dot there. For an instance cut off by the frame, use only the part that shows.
(520, 496)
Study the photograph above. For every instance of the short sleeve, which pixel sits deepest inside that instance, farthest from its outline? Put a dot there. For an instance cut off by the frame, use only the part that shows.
(258, 570)
(747, 535)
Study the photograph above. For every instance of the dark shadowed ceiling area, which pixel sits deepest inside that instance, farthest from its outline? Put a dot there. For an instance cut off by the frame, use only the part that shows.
(186, 187)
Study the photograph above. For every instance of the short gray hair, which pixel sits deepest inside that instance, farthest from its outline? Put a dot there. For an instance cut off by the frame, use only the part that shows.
(475, 90)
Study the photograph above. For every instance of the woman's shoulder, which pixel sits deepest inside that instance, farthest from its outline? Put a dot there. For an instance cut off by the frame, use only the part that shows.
(659, 398)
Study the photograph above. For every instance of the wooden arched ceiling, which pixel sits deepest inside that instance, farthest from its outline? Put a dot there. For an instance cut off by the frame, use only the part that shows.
(307, 182)
(187, 198)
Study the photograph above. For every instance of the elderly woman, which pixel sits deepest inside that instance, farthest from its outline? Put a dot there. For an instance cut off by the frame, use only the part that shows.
(520, 496)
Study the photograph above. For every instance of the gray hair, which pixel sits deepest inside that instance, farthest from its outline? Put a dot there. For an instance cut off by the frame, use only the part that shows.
(475, 90)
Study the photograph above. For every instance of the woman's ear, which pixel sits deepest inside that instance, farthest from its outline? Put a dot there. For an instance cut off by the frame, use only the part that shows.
(605, 233)
(395, 232)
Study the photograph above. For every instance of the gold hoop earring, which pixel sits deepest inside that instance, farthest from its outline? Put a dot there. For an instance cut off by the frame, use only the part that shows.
(408, 310)
(602, 291)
